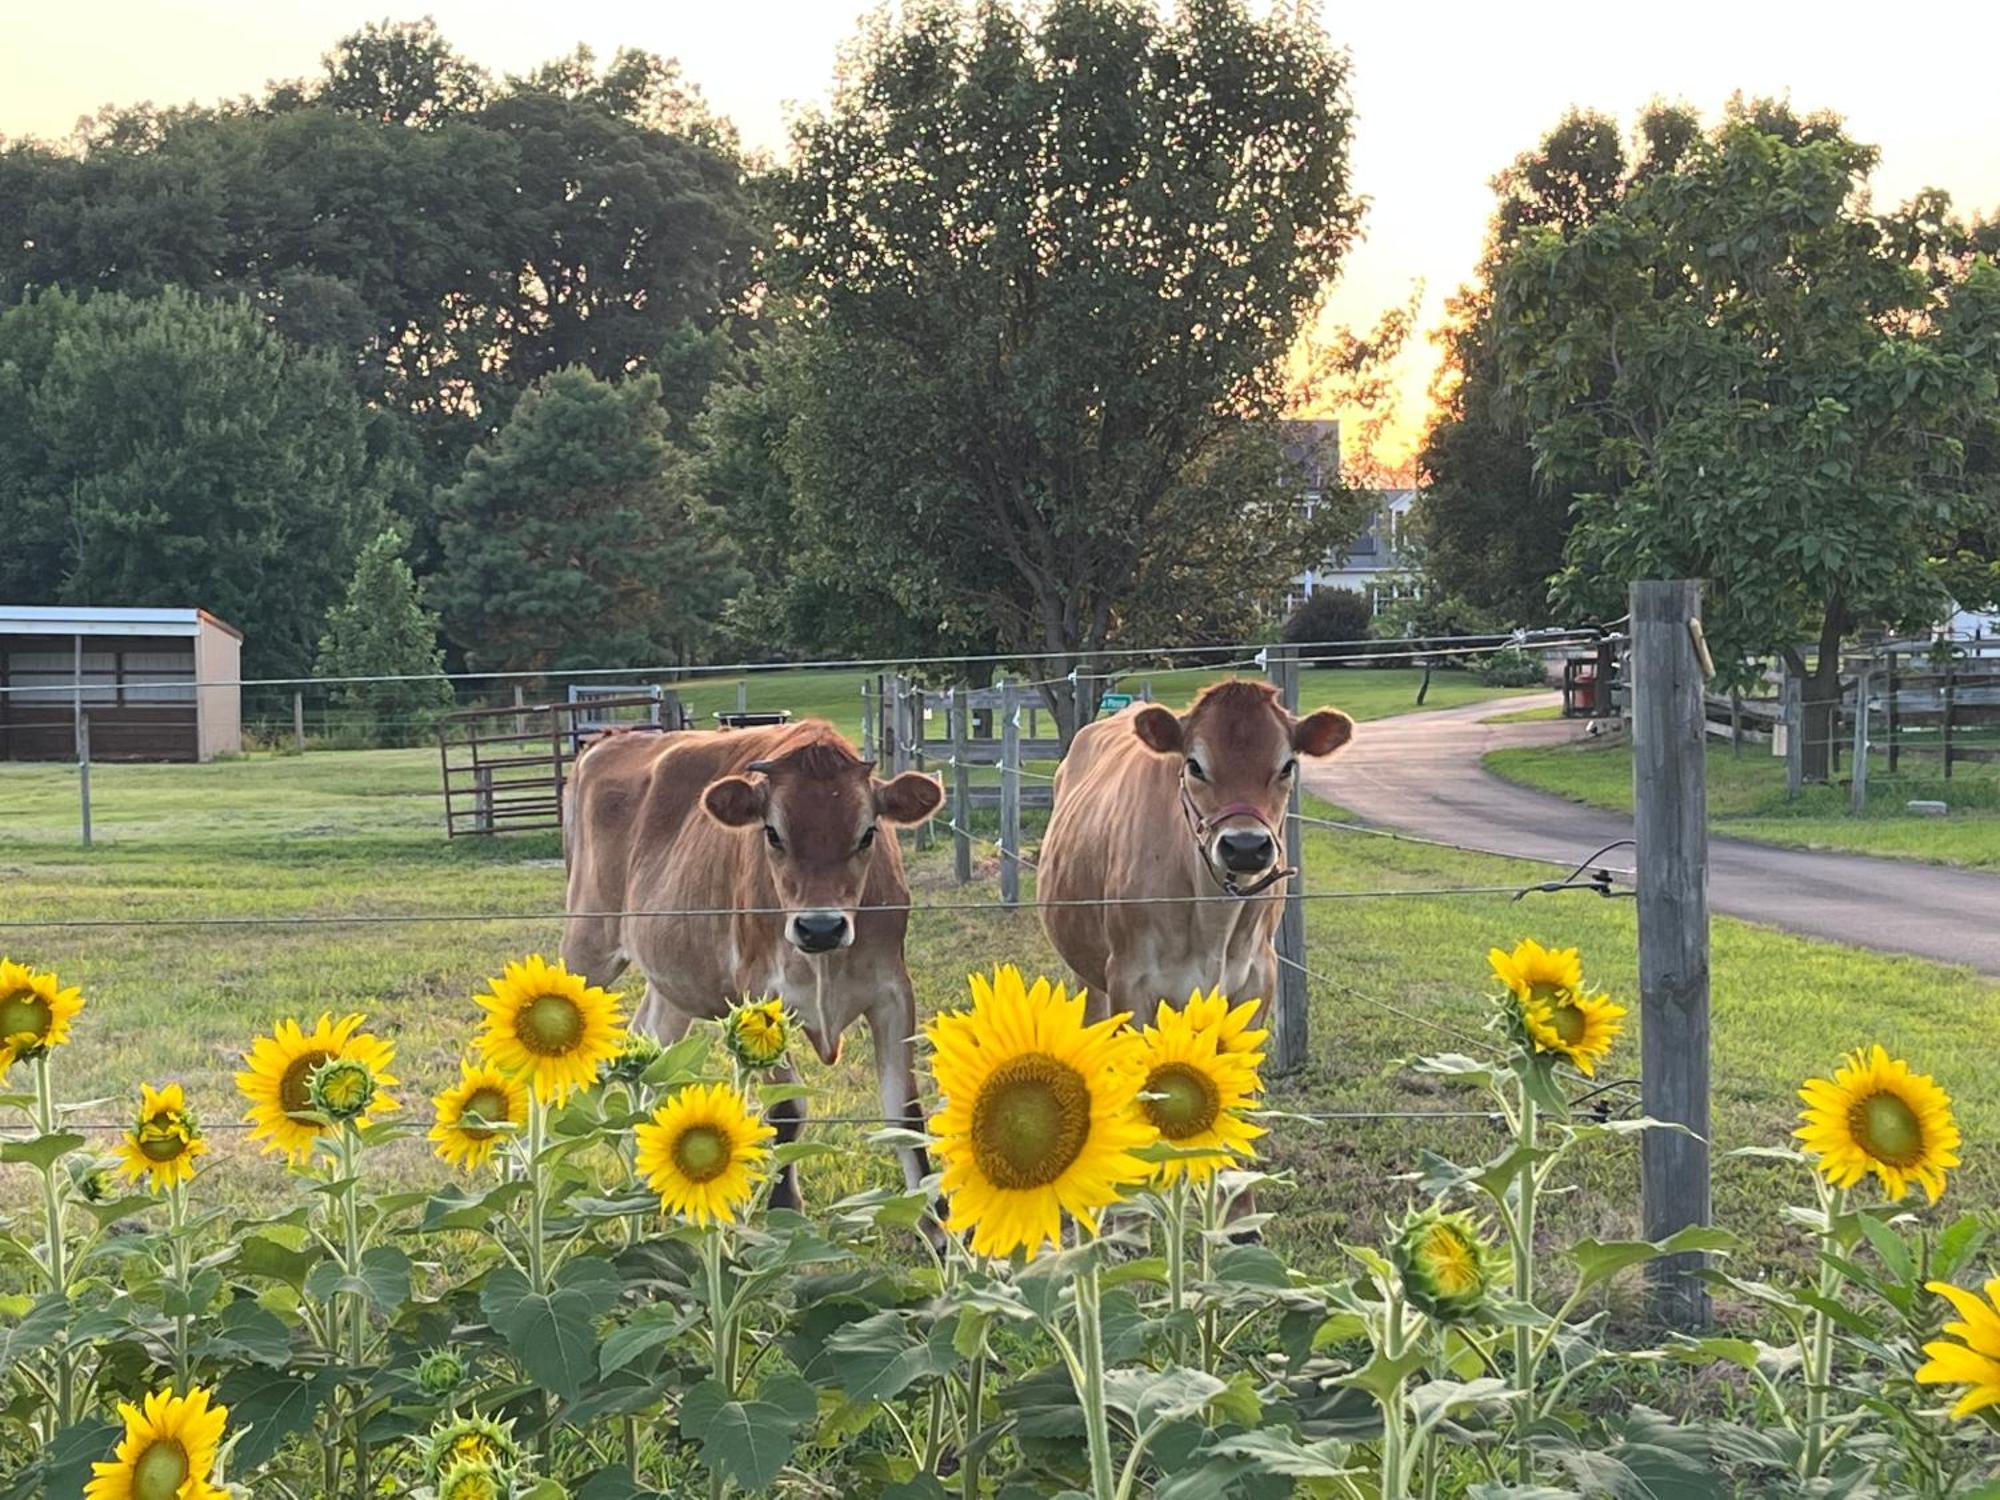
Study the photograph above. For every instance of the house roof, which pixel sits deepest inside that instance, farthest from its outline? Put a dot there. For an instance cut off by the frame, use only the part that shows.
(67, 619)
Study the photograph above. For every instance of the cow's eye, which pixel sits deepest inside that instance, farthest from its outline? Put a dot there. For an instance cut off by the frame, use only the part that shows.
(1289, 768)
(771, 838)
(868, 838)
(1194, 769)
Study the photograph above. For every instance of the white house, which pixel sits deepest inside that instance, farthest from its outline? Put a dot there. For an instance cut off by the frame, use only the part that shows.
(1372, 564)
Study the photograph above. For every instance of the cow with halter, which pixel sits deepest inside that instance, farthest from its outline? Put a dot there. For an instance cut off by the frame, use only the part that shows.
(752, 862)
(1155, 811)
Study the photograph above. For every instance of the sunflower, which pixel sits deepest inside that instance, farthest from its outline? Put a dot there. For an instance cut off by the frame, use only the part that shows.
(550, 1026)
(279, 1079)
(1039, 1113)
(470, 1440)
(1975, 1363)
(470, 1480)
(1447, 1265)
(162, 1146)
(703, 1152)
(1553, 1012)
(475, 1112)
(1192, 1092)
(1211, 1012)
(35, 1012)
(167, 1453)
(1875, 1115)
(758, 1032)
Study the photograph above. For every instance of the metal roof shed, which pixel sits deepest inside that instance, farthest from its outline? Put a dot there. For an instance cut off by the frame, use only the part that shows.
(156, 684)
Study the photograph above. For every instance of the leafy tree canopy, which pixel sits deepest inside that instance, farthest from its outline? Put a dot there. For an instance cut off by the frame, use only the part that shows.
(381, 629)
(576, 539)
(1044, 268)
(173, 451)
(1754, 378)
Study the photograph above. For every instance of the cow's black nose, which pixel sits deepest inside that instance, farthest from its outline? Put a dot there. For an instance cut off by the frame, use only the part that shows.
(1246, 850)
(819, 931)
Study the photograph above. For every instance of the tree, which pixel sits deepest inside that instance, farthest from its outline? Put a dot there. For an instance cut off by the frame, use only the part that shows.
(173, 451)
(1044, 269)
(1329, 615)
(400, 73)
(575, 538)
(381, 629)
(1492, 528)
(1753, 379)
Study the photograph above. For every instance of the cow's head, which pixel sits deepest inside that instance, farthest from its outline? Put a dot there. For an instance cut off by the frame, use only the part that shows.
(1239, 750)
(818, 811)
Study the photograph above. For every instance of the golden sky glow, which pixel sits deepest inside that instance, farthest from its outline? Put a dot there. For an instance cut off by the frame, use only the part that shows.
(1447, 93)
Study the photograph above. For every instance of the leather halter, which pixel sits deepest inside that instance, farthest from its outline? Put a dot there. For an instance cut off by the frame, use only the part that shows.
(1199, 827)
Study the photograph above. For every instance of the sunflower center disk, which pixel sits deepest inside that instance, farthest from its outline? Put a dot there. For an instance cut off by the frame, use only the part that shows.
(292, 1088)
(1888, 1130)
(486, 1104)
(1448, 1260)
(701, 1153)
(1188, 1101)
(160, 1471)
(550, 1025)
(1569, 1023)
(1030, 1121)
(23, 1014)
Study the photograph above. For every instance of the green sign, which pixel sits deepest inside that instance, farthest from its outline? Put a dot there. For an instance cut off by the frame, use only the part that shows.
(1112, 702)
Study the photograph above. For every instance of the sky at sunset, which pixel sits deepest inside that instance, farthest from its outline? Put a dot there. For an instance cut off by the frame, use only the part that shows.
(1446, 93)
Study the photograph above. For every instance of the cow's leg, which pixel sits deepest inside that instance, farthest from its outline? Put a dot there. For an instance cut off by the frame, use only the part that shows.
(787, 1116)
(892, 1026)
(659, 1018)
(591, 946)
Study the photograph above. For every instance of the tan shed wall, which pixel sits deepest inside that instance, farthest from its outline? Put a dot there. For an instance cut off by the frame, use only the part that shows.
(218, 664)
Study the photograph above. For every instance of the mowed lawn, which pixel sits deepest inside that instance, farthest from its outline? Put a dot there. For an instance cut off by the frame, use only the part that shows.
(1746, 798)
(345, 834)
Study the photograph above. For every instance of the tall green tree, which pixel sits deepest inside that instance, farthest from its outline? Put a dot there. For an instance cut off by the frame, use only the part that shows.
(576, 538)
(382, 630)
(1493, 527)
(1754, 379)
(173, 451)
(1045, 267)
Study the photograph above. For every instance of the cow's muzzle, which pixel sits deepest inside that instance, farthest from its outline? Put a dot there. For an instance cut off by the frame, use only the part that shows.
(819, 931)
(1245, 851)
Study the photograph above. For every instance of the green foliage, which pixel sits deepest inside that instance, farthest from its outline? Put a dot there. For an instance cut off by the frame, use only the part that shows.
(171, 450)
(1051, 421)
(575, 538)
(1754, 379)
(382, 629)
(1330, 615)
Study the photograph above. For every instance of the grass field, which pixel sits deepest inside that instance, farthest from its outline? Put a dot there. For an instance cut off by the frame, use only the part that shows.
(1746, 798)
(344, 834)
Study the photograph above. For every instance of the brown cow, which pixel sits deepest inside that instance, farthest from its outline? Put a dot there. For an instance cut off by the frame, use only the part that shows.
(1154, 805)
(778, 827)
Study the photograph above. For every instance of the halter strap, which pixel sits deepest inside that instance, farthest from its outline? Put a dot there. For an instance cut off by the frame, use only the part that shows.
(1198, 828)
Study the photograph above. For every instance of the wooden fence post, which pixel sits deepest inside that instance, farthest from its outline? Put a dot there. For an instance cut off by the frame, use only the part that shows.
(1949, 698)
(926, 835)
(869, 692)
(961, 792)
(299, 722)
(1895, 717)
(1670, 797)
(520, 719)
(1010, 795)
(1857, 796)
(1289, 1025)
(1793, 709)
(83, 772)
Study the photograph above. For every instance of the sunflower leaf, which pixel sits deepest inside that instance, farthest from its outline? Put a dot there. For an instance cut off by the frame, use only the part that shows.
(1160, 1395)
(44, 1151)
(260, 1255)
(38, 1328)
(1600, 1260)
(550, 1333)
(748, 1441)
(268, 1408)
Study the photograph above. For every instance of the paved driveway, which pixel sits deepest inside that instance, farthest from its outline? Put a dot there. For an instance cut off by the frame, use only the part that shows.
(1420, 773)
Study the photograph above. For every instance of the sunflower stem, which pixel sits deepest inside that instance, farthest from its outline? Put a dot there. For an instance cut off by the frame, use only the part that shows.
(1096, 1418)
(177, 1248)
(1819, 1353)
(532, 1168)
(1177, 1209)
(970, 1455)
(356, 1322)
(1211, 1216)
(1524, 1286)
(1393, 1486)
(57, 1240)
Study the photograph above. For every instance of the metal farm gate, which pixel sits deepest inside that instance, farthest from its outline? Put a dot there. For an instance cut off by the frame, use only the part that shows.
(504, 768)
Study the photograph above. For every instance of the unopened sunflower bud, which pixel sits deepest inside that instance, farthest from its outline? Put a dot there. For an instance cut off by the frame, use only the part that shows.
(637, 1055)
(1448, 1267)
(342, 1088)
(441, 1373)
(758, 1033)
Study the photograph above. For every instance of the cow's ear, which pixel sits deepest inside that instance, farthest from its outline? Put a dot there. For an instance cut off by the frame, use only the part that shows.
(1322, 732)
(737, 801)
(909, 799)
(1158, 730)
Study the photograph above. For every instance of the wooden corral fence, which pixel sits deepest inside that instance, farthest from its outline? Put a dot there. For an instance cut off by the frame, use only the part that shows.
(504, 768)
(1906, 707)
